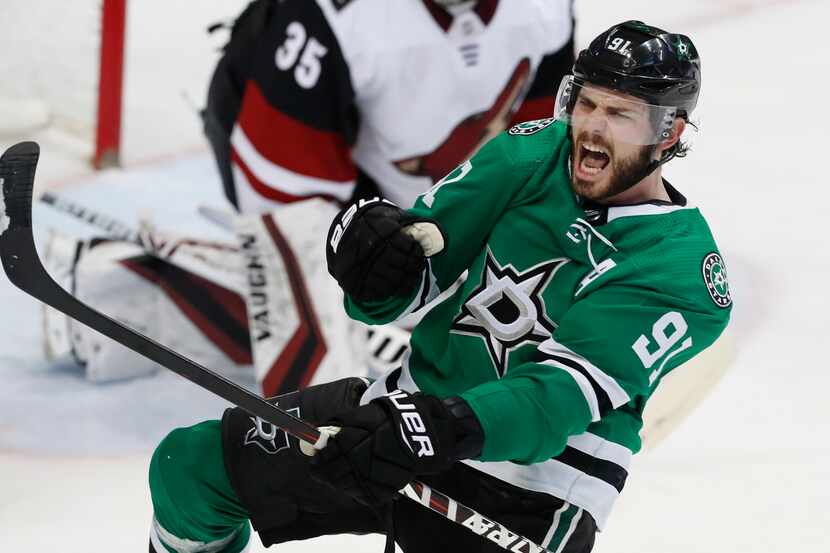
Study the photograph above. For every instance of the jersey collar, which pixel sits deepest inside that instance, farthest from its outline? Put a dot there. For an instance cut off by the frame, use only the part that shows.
(599, 214)
(485, 9)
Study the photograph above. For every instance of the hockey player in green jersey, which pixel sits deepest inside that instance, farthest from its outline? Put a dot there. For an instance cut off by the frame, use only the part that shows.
(564, 278)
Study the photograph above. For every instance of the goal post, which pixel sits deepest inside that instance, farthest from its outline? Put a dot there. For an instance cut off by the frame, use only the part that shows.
(63, 72)
(110, 84)
(105, 83)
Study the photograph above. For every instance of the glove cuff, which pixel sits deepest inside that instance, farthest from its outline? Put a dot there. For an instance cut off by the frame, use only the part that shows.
(469, 436)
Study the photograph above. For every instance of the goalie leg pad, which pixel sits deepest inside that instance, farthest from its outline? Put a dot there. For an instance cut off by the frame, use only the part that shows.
(188, 300)
(300, 333)
(89, 271)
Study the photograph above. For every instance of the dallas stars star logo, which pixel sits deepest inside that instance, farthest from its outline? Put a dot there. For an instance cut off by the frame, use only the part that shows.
(682, 49)
(717, 283)
(506, 310)
(268, 437)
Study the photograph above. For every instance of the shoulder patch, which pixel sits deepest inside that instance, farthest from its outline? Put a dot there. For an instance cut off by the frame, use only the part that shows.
(531, 127)
(714, 275)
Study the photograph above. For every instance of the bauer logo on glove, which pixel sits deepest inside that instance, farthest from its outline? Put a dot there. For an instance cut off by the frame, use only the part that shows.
(376, 250)
(341, 222)
(413, 429)
(382, 446)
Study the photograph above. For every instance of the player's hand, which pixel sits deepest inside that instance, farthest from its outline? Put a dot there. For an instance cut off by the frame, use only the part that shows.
(384, 445)
(372, 252)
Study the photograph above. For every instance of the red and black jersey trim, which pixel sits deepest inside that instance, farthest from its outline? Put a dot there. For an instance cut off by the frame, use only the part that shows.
(219, 314)
(302, 355)
(326, 106)
(485, 9)
(270, 192)
(292, 143)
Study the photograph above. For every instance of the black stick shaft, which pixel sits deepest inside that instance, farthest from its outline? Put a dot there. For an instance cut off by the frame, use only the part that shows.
(113, 227)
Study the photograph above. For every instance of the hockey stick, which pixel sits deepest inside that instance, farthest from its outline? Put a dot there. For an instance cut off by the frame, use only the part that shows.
(153, 243)
(25, 270)
(114, 228)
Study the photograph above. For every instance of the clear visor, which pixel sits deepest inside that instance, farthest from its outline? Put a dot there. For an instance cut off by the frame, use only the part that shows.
(614, 116)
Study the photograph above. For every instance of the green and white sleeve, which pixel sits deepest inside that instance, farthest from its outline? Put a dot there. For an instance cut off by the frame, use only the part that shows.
(610, 348)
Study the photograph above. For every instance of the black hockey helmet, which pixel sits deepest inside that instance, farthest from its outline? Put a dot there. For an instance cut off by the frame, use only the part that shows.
(660, 67)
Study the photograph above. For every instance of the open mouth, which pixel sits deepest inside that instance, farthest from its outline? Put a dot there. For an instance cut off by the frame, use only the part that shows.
(593, 160)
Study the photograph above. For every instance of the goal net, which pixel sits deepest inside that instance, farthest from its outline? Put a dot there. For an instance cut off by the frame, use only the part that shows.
(62, 66)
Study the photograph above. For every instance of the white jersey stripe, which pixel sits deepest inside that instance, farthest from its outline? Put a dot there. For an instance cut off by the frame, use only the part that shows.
(552, 477)
(419, 300)
(160, 536)
(429, 294)
(280, 178)
(645, 209)
(584, 385)
(154, 539)
(601, 448)
(559, 480)
(616, 393)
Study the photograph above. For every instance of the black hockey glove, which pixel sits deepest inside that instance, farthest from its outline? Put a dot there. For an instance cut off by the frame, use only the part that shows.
(370, 255)
(386, 444)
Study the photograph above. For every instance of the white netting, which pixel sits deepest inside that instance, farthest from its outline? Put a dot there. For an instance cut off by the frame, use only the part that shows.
(49, 53)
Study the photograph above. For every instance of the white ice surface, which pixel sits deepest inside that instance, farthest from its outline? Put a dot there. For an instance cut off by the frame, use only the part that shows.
(748, 472)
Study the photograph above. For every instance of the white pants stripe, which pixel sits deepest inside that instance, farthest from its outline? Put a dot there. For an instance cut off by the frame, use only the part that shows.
(555, 524)
(569, 533)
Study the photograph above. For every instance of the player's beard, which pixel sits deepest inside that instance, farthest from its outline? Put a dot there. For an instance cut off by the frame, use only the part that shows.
(625, 173)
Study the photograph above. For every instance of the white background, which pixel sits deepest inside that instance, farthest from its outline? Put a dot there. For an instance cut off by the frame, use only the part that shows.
(748, 472)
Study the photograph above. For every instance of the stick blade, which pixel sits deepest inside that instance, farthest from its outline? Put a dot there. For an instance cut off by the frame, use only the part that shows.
(17, 177)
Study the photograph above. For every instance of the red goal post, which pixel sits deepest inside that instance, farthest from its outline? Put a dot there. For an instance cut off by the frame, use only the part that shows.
(100, 83)
(63, 72)
(110, 84)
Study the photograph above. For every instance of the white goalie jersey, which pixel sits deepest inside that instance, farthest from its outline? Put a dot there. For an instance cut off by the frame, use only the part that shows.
(387, 94)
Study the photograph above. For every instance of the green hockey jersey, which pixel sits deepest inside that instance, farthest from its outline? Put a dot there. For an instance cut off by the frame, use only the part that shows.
(553, 321)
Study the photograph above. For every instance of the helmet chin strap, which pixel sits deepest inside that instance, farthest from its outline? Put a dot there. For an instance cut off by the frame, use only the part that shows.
(654, 164)
(647, 170)
(650, 168)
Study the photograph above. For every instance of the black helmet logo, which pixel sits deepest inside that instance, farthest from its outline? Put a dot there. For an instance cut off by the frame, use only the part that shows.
(682, 49)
